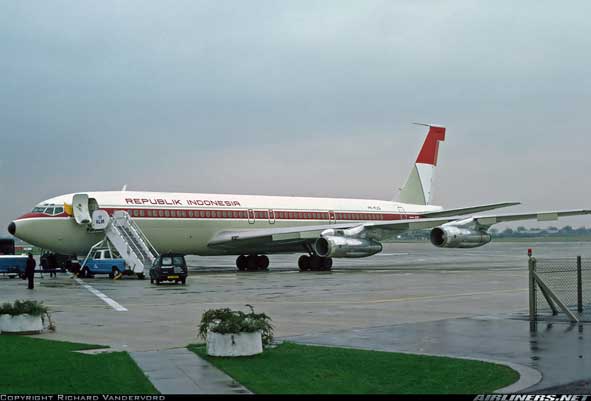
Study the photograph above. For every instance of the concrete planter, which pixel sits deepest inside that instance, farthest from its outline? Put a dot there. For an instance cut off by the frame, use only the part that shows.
(242, 344)
(21, 324)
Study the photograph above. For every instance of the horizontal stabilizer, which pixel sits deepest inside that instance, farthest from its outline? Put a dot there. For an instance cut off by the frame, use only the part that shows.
(469, 210)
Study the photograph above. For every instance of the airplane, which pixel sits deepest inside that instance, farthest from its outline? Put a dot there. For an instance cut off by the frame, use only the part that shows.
(253, 227)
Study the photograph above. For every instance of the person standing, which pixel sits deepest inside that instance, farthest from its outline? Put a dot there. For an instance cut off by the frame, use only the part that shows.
(52, 265)
(30, 271)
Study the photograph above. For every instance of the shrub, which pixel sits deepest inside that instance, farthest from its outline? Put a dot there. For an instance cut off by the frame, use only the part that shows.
(227, 321)
(30, 307)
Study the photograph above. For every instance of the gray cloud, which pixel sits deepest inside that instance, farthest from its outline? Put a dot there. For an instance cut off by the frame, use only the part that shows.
(294, 97)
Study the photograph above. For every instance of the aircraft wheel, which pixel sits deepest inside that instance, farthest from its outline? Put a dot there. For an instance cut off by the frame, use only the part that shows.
(242, 263)
(262, 262)
(316, 263)
(251, 263)
(184, 281)
(326, 264)
(304, 263)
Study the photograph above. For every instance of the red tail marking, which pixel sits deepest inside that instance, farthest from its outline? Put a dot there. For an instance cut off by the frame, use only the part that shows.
(430, 149)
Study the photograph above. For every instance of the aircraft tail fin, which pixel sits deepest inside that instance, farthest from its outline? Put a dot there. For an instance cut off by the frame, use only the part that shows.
(417, 189)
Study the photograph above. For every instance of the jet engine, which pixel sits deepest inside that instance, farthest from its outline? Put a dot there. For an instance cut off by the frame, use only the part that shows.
(345, 247)
(458, 237)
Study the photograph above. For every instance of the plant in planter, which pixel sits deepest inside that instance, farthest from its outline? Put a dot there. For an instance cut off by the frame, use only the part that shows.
(235, 333)
(24, 317)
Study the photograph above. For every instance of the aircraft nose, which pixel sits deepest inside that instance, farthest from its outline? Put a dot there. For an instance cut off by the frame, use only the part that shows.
(12, 228)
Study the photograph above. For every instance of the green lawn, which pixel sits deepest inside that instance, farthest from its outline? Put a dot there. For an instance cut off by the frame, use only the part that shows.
(299, 369)
(31, 365)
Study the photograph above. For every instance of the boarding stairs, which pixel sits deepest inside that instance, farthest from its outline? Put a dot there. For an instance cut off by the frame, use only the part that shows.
(128, 239)
(131, 243)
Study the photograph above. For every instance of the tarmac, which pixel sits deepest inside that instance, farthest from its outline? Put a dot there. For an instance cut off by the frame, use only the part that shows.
(412, 297)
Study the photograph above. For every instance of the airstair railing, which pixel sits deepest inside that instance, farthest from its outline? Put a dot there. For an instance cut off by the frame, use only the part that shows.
(133, 226)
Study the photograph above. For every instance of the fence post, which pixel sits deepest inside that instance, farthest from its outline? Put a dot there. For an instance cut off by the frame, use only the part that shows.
(532, 294)
(579, 286)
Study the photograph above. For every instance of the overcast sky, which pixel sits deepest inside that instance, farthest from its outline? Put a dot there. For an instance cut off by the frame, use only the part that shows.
(298, 97)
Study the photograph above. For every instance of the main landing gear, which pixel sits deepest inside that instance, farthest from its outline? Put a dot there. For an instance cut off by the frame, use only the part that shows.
(314, 263)
(252, 263)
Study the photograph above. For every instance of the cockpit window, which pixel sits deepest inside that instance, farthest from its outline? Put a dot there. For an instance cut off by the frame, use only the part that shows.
(48, 210)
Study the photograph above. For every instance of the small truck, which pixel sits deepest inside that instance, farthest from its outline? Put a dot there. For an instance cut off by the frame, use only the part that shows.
(13, 265)
(103, 262)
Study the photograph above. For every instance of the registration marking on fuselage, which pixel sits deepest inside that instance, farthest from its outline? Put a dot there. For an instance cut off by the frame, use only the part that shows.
(113, 304)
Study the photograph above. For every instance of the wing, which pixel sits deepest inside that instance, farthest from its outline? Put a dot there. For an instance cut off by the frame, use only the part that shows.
(469, 210)
(298, 238)
(487, 221)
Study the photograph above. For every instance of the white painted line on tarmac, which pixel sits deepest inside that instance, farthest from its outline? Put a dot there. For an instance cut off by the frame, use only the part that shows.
(106, 299)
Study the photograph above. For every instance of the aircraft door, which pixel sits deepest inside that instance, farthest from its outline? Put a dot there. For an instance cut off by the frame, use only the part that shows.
(332, 218)
(81, 212)
(271, 216)
(83, 207)
(401, 213)
(251, 216)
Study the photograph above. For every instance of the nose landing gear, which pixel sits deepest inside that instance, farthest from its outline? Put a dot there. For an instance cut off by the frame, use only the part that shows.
(252, 263)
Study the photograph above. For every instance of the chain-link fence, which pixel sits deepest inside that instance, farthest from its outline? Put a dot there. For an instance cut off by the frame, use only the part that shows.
(560, 287)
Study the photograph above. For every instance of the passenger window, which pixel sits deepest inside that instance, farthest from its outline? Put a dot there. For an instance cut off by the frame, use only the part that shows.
(107, 255)
(97, 255)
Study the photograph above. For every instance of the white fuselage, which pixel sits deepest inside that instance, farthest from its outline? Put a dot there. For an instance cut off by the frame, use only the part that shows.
(185, 223)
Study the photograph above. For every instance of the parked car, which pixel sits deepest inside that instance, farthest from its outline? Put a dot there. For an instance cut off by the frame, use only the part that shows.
(169, 267)
(103, 262)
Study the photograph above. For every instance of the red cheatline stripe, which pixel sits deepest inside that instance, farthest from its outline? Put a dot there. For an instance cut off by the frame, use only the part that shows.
(243, 214)
(260, 214)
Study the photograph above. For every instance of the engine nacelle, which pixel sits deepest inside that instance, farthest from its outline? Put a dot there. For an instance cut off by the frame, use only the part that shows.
(458, 237)
(345, 247)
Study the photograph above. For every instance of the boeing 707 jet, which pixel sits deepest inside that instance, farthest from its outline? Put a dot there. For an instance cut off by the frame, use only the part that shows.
(253, 227)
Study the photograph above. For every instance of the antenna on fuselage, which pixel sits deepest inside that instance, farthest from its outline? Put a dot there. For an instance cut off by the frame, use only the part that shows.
(124, 188)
